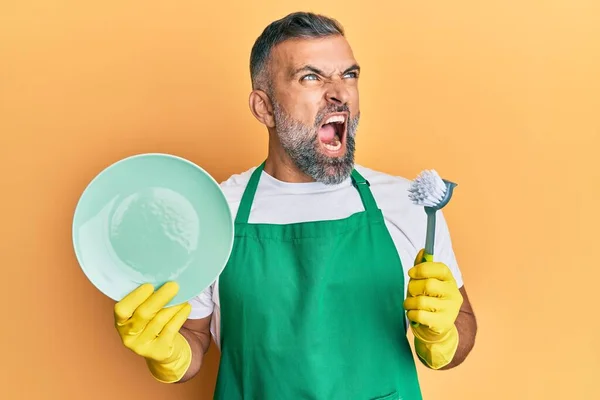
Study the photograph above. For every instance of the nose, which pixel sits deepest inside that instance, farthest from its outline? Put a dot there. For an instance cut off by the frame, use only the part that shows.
(337, 93)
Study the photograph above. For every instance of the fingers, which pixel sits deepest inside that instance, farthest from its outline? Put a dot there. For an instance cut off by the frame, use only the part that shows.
(157, 301)
(125, 308)
(174, 325)
(425, 303)
(426, 318)
(160, 320)
(427, 287)
(149, 308)
(431, 270)
(420, 257)
(138, 308)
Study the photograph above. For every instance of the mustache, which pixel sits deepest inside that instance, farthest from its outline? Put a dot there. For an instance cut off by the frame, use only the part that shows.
(328, 110)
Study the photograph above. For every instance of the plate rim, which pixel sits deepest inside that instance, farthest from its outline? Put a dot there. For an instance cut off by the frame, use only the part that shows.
(115, 164)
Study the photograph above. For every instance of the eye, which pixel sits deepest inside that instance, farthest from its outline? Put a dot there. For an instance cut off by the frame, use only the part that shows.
(310, 77)
(351, 75)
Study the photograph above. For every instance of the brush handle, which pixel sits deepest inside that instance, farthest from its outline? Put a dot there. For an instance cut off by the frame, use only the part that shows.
(429, 241)
(430, 236)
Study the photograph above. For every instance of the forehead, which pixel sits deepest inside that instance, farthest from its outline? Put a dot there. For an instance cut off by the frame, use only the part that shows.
(327, 53)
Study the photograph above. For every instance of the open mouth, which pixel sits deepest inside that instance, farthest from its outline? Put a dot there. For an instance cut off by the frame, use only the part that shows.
(332, 133)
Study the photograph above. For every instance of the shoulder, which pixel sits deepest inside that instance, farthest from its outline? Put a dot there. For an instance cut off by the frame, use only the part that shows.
(382, 178)
(408, 222)
(233, 187)
(389, 190)
(391, 194)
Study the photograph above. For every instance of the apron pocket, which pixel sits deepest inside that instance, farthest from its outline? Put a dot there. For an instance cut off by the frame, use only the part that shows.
(392, 396)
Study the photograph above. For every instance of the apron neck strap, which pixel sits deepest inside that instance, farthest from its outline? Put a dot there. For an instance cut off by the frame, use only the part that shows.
(360, 183)
(243, 212)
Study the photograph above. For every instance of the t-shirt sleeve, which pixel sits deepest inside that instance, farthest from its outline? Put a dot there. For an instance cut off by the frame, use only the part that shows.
(443, 248)
(202, 305)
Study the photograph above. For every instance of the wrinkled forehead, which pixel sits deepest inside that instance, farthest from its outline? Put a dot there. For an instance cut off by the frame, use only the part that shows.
(331, 54)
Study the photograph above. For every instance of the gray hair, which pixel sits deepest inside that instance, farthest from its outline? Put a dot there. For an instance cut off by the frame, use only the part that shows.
(305, 25)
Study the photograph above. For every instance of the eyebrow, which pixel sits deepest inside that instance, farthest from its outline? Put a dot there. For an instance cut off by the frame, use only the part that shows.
(310, 68)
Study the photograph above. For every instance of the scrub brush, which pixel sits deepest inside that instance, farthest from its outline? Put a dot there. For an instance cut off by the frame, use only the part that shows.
(432, 192)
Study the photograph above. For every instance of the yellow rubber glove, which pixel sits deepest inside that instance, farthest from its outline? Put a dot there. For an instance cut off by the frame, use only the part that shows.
(150, 330)
(433, 302)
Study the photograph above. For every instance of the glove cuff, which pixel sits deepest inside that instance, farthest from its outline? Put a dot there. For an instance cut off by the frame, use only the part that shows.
(439, 352)
(176, 366)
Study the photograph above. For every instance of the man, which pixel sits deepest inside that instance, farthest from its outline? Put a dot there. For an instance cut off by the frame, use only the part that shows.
(325, 270)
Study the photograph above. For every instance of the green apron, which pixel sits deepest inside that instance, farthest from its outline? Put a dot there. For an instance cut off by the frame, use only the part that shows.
(314, 310)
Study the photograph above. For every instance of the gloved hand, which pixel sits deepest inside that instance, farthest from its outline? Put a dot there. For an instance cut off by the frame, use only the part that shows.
(152, 331)
(433, 301)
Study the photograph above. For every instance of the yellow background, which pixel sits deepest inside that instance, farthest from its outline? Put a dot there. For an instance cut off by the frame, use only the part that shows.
(501, 96)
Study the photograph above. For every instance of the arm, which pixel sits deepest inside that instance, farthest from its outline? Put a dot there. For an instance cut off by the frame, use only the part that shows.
(457, 307)
(197, 334)
(466, 325)
(445, 333)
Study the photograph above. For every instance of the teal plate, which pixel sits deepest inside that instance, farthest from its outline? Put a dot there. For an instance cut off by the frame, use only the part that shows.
(152, 218)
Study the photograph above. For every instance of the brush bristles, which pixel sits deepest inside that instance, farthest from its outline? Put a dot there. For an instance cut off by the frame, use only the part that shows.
(428, 189)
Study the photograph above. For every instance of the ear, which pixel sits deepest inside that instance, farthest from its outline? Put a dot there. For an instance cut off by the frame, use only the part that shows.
(262, 108)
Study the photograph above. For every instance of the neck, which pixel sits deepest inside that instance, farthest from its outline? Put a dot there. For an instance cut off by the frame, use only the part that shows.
(280, 166)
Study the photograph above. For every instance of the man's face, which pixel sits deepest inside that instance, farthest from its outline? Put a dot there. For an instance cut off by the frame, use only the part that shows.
(316, 107)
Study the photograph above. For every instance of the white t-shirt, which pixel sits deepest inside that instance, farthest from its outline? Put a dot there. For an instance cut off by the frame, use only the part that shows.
(313, 201)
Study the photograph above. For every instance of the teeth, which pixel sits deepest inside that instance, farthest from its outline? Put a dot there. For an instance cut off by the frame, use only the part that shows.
(336, 118)
(334, 147)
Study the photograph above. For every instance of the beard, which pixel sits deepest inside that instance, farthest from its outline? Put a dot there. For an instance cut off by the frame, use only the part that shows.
(301, 144)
